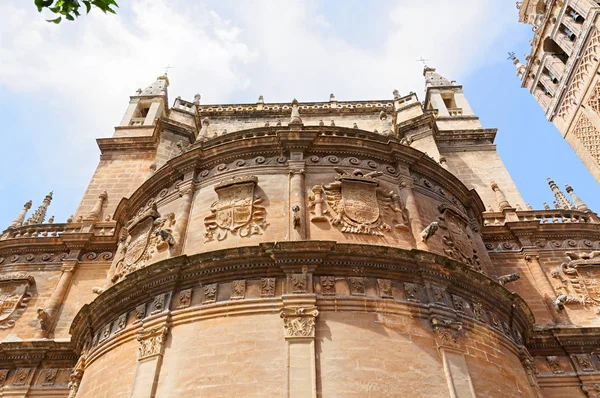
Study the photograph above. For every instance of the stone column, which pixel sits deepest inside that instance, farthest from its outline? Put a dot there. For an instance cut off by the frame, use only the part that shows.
(299, 318)
(542, 284)
(186, 190)
(408, 198)
(152, 340)
(297, 205)
(47, 315)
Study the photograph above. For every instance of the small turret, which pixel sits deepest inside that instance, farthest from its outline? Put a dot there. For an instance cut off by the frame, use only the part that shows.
(18, 221)
(149, 104)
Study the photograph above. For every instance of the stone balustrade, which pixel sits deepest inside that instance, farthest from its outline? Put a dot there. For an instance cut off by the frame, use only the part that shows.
(553, 216)
(34, 231)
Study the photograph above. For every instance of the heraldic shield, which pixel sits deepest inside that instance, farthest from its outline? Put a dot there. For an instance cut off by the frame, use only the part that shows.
(237, 210)
(360, 201)
(590, 280)
(14, 296)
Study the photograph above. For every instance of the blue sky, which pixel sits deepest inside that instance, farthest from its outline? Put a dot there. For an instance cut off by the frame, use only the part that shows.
(63, 86)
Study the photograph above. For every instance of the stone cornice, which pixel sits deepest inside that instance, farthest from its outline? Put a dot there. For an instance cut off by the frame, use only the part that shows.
(32, 353)
(572, 339)
(267, 259)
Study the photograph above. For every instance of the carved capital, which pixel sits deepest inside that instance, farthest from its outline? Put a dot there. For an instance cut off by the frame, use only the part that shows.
(447, 333)
(152, 341)
(299, 322)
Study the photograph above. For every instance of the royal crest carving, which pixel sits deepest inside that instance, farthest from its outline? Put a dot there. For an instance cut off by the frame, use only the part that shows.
(139, 240)
(358, 206)
(299, 322)
(581, 278)
(14, 297)
(238, 210)
(458, 239)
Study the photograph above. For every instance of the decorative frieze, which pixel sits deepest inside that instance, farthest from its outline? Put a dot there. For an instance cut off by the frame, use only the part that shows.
(585, 362)
(328, 285)
(185, 298)
(49, 377)
(210, 293)
(152, 341)
(3, 376)
(21, 377)
(554, 365)
(158, 304)
(140, 312)
(121, 322)
(412, 292)
(267, 287)
(238, 289)
(385, 288)
(299, 283)
(299, 322)
(357, 285)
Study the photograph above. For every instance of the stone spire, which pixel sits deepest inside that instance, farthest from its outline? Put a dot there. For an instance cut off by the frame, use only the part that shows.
(561, 199)
(18, 221)
(159, 87)
(500, 198)
(579, 205)
(295, 119)
(96, 212)
(434, 79)
(40, 214)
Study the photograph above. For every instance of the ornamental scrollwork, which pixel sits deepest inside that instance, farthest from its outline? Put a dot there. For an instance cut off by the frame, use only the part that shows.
(299, 322)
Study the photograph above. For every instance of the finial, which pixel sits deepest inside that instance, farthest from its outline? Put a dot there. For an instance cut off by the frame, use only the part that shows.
(500, 198)
(70, 219)
(96, 212)
(197, 98)
(261, 100)
(579, 205)
(295, 118)
(40, 214)
(561, 200)
(332, 97)
(138, 91)
(321, 122)
(355, 126)
(332, 123)
(396, 94)
(51, 220)
(546, 206)
(278, 123)
(18, 221)
(528, 206)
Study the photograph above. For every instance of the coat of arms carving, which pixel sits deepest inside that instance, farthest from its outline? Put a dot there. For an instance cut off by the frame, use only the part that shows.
(238, 210)
(138, 241)
(14, 296)
(357, 204)
(458, 239)
(582, 278)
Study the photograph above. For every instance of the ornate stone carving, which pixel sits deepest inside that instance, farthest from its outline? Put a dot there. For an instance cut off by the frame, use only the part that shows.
(210, 293)
(238, 289)
(140, 238)
(299, 283)
(554, 365)
(3, 376)
(267, 287)
(412, 292)
(49, 377)
(503, 280)
(447, 332)
(105, 332)
(478, 311)
(585, 362)
(357, 285)
(76, 376)
(238, 210)
(457, 239)
(14, 297)
(140, 312)
(328, 285)
(460, 304)
(385, 288)
(359, 207)
(21, 377)
(185, 298)
(316, 203)
(121, 322)
(582, 274)
(158, 304)
(439, 295)
(530, 367)
(429, 231)
(152, 342)
(299, 322)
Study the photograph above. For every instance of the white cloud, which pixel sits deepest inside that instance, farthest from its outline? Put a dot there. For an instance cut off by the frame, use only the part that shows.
(232, 51)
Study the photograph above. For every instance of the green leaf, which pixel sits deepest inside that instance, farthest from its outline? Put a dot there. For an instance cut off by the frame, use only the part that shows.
(88, 6)
(56, 21)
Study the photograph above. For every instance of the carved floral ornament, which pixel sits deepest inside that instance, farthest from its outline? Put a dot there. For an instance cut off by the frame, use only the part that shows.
(238, 210)
(299, 322)
(14, 296)
(152, 342)
(356, 204)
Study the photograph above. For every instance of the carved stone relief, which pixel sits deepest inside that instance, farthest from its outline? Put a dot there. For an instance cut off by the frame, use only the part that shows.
(299, 322)
(210, 293)
(3, 376)
(14, 297)
(412, 292)
(358, 206)
(185, 298)
(49, 377)
(585, 362)
(447, 332)
(385, 288)
(238, 210)
(267, 287)
(76, 376)
(458, 239)
(238, 289)
(140, 312)
(554, 365)
(21, 377)
(299, 282)
(328, 285)
(152, 342)
(158, 304)
(357, 285)
(580, 278)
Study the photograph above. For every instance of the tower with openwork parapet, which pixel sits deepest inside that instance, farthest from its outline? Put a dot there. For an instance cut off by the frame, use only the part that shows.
(302, 249)
(561, 71)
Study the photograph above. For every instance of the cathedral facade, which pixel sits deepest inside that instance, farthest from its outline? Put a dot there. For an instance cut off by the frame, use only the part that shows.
(302, 249)
(562, 70)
